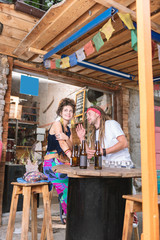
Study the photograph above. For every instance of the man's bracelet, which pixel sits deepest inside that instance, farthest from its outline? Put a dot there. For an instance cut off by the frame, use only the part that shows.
(104, 152)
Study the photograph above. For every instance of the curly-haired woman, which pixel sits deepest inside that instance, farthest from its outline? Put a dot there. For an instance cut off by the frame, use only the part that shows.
(59, 149)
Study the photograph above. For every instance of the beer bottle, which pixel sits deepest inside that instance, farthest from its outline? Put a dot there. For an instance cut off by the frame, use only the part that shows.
(83, 156)
(73, 160)
(78, 155)
(97, 157)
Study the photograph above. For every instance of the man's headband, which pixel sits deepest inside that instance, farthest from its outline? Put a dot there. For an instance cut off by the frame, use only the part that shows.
(94, 110)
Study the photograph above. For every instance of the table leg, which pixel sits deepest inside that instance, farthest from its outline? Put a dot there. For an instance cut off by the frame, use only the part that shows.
(47, 212)
(12, 215)
(34, 216)
(25, 216)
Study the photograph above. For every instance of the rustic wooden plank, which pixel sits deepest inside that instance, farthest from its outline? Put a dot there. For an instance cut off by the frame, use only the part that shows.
(42, 52)
(12, 42)
(13, 32)
(79, 23)
(64, 76)
(122, 8)
(9, 9)
(114, 61)
(90, 171)
(53, 21)
(16, 23)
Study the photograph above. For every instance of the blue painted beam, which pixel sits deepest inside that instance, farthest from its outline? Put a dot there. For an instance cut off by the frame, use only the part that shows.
(155, 36)
(107, 70)
(95, 22)
(156, 79)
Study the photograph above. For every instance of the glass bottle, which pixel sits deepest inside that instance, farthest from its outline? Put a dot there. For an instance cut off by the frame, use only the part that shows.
(97, 157)
(73, 160)
(83, 156)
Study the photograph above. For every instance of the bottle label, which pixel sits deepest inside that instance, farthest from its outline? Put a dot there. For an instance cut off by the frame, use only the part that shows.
(83, 161)
(98, 161)
(71, 161)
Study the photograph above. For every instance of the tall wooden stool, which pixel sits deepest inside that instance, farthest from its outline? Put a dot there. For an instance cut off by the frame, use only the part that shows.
(133, 204)
(30, 191)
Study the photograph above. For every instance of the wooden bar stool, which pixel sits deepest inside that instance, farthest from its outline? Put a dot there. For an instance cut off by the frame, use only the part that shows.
(30, 191)
(133, 204)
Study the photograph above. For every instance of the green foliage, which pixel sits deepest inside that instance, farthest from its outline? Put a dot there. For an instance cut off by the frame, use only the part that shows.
(42, 4)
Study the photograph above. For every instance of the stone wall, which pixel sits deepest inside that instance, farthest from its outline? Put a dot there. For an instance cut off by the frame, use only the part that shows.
(134, 127)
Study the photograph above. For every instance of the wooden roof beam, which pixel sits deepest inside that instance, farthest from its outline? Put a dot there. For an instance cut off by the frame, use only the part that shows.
(121, 8)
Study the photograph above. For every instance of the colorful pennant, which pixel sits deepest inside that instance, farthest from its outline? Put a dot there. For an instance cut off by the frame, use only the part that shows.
(126, 18)
(80, 54)
(73, 59)
(108, 29)
(47, 63)
(134, 39)
(98, 41)
(53, 64)
(58, 62)
(158, 46)
(65, 62)
(88, 48)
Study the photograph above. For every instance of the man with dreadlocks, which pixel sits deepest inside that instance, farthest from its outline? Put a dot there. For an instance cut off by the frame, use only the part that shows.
(110, 134)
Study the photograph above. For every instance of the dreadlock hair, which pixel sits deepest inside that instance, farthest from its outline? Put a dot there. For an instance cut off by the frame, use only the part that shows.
(101, 136)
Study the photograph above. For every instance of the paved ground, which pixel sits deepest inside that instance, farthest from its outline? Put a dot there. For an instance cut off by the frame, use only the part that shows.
(58, 227)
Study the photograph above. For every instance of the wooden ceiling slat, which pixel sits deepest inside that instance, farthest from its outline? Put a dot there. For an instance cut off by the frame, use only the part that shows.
(122, 8)
(53, 22)
(13, 32)
(95, 11)
(9, 10)
(9, 41)
(79, 23)
(14, 22)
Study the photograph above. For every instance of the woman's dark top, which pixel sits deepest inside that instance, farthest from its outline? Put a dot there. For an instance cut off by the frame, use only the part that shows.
(53, 144)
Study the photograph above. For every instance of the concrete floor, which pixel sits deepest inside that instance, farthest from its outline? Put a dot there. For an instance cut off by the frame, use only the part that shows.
(58, 227)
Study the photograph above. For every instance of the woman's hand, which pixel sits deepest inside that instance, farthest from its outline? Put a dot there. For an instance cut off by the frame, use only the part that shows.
(61, 136)
(80, 132)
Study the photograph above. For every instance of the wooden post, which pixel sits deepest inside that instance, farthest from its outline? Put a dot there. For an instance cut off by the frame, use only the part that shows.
(148, 162)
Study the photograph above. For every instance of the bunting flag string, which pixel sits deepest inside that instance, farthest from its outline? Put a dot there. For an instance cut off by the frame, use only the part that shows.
(98, 41)
(95, 44)
(134, 39)
(158, 46)
(89, 49)
(80, 54)
(126, 19)
(107, 29)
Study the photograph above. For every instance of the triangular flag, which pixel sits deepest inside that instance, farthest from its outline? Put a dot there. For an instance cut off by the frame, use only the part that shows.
(153, 48)
(73, 59)
(53, 64)
(65, 62)
(58, 61)
(158, 46)
(47, 63)
(88, 48)
(126, 18)
(108, 29)
(134, 39)
(98, 41)
(80, 54)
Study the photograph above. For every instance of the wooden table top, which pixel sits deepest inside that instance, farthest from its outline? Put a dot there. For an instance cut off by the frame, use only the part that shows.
(91, 172)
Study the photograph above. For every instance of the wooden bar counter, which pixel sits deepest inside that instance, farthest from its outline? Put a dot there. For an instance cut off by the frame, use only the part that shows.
(95, 209)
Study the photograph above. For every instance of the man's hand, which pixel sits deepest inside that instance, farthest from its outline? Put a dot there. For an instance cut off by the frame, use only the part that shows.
(90, 153)
(80, 132)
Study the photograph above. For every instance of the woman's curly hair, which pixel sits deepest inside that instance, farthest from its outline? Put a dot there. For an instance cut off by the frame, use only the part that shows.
(66, 102)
